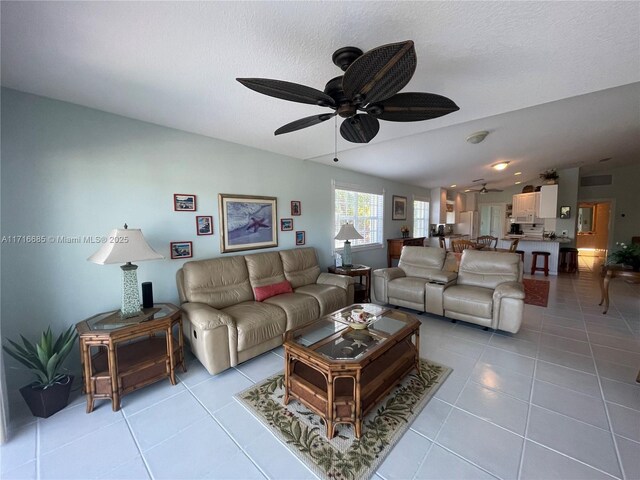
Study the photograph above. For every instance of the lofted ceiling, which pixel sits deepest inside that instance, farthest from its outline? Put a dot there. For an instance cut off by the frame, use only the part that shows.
(556, 84)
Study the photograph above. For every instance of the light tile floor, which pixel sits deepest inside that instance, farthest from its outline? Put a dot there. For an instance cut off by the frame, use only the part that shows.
(557, 400)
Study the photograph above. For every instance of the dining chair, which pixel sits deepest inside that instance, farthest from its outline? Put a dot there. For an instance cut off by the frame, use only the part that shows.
(514, 245)
(461, 245)
(443, 242)
(488, 240)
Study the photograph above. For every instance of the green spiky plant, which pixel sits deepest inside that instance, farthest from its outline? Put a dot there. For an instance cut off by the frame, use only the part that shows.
(46, 357)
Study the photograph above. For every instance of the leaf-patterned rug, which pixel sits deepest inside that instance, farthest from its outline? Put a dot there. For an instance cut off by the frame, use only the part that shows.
(344, 456)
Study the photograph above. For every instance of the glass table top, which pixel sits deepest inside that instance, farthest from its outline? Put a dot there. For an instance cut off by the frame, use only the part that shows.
(335, 336)
(113, 320)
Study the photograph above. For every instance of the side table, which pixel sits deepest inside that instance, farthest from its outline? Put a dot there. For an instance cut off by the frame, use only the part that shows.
(362, 293)
(608, 273)
(120, 355)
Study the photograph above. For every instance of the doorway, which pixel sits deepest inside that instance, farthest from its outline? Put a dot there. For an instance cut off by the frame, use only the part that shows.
(492, 219)
(593, 227)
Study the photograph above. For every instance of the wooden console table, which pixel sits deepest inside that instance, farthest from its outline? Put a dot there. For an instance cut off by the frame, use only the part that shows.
(394, 246)
(127, 354)
(608, 273)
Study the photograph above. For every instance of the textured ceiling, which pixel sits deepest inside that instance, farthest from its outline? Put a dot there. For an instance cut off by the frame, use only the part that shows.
(539, 75)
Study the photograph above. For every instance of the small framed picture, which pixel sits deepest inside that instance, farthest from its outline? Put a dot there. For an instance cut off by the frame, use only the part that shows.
(300, 237)
(181, 250)
(286, 224)
(184, 202)
(399, 208)
(565, 212)
(204, 225)
(296, 207)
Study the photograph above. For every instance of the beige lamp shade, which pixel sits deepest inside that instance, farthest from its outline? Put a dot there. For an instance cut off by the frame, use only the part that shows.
(124, 245)
(348, 232)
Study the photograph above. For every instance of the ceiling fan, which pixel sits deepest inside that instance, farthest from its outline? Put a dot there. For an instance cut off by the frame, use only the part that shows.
(484, 190)
(370, 85)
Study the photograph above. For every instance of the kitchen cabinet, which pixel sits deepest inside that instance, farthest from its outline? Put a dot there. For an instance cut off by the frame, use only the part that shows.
(548, 201)
(451, 212)
(526, 207)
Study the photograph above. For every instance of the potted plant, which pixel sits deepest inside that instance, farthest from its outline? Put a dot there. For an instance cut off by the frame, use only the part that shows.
(550, 177)
(627, 255)
(404, 230)
(49, 393)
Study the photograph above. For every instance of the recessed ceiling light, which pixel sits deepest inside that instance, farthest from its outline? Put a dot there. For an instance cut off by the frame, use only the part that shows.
(467, 190)
(604, 160)
(477, 137)
(518, 183)
(453, 186)
(518, 173)
(500, 165)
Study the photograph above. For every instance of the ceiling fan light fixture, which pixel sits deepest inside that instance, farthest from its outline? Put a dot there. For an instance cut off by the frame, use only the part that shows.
(500, 165)
(477, 137)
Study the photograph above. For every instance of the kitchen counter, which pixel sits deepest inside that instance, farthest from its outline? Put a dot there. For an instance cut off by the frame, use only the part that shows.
(539, 239)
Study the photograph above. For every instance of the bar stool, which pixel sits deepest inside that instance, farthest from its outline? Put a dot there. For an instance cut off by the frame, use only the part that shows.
(568, 259)
(534, 263)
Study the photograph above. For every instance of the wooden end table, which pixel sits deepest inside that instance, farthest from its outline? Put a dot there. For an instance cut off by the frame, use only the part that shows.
(341, 373)
(362, 291)
(122, 355)
(608, 273)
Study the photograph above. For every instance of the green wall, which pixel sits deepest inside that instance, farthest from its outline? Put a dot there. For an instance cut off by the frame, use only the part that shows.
(74, 171)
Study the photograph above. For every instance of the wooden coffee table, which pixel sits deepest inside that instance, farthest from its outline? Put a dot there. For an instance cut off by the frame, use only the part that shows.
(341, 373)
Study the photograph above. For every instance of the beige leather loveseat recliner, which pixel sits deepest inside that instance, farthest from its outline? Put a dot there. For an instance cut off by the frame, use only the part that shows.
(488, 291)
(417, 282)
(224, 323)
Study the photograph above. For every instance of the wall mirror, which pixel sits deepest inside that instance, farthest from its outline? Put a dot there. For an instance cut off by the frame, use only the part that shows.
(586, 218)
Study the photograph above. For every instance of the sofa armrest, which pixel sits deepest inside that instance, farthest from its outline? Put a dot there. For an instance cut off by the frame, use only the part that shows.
(342, 281)
(509, 290)
(381, 278)
(442, 277)
(206, 317)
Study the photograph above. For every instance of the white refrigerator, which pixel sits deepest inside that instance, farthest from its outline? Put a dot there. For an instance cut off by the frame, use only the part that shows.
(469, 224)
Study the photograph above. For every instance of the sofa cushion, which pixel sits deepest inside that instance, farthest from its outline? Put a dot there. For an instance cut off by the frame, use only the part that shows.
(410, 289)
(218, 282)
(421, 261)
(299, 308)
(488, 269)
(268, 291)
(329, 297)
(469, 300)
(256, 322)
(264, 269)
(300, 266)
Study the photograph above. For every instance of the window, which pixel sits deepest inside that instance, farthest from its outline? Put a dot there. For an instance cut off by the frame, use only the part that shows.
(362, 206)
(420, 217)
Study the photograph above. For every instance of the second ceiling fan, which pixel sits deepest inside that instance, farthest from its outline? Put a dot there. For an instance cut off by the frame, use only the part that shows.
(370, 85)
(484, 190)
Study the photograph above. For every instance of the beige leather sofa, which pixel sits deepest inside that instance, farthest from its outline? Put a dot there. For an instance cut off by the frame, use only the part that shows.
(223, 322)
(417, 282)
(488, 291)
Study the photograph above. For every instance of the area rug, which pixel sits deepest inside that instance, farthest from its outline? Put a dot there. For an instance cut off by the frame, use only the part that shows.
(344, 456)
(536, 292)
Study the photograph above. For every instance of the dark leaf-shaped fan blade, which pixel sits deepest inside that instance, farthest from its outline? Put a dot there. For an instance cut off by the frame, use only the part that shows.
(288, 91)
(304, 123)
(380, 73)
(412, 107)
(360, 128)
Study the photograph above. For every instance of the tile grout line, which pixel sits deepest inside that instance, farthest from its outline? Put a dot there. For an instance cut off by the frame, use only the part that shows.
(211, 414)
(135, 440)
(606, 411)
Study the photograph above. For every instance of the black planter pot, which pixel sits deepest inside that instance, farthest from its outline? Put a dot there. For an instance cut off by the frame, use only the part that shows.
(44, 402)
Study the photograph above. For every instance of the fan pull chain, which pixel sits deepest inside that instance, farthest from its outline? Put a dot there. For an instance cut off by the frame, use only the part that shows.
(335, 138)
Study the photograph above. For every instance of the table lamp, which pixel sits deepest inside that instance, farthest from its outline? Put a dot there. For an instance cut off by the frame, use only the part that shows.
(347, 232)
(125, 245)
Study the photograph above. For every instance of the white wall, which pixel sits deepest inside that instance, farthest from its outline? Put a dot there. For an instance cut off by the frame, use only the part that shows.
(69, 170)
